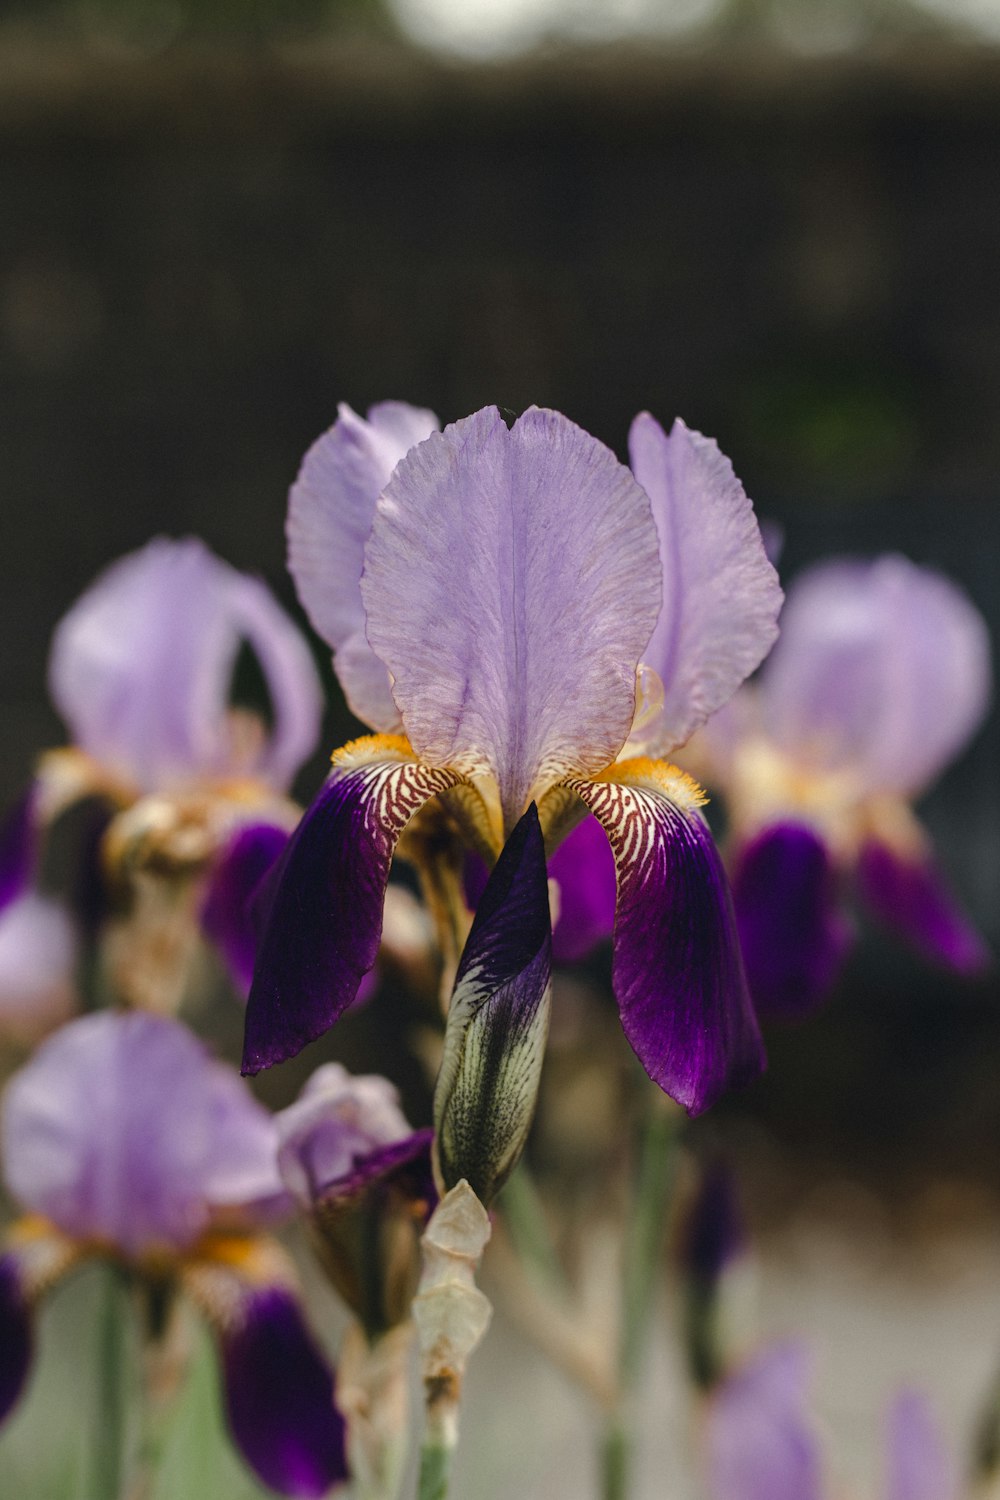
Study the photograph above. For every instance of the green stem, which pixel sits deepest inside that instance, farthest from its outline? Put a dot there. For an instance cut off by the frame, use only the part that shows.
(435, 1466)
(108, 1474)
(654, 1183)
(528, 1226)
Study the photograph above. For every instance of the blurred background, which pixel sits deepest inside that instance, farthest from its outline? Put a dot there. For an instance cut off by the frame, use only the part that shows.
(777, 218)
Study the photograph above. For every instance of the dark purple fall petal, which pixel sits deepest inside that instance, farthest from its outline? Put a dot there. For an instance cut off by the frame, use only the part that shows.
(15, 1335)
(584, 868)
(714, 1234)
(325, 920)
(402, 1166)
(497, 1021)
(279, 1396)
(677, 970)
(18, 848)
(793, 933)
(911, 898)
(227, 916)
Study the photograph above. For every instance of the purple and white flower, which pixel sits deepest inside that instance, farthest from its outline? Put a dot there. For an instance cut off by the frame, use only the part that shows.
(880, 677)
(505, 587)
(173, 1179)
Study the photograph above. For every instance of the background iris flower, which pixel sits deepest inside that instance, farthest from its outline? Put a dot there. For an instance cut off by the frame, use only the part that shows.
(512, 581)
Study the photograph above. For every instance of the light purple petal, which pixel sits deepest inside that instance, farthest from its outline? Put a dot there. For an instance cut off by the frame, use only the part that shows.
(677, 971)
(322, 933)
(38, 953)
(278, 1385)
(497, 1021)
(760, 1441)
(511, 582)
(584, 868)
(882, 668)
(336, 1119)
(919, 1465)
(18, 847)
(227, 916)
(910, 896)
(122, 1128)
(141, 669)
(793, 932)
(721, 595)
(330, 511)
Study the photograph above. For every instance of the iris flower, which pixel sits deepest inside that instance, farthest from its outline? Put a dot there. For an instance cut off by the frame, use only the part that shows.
(172, 1182)
(489, 606)
(880, 677)
(142, 669)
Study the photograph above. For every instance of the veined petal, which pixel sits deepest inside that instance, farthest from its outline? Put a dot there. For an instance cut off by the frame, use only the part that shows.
(512, 580)
(497, 1022)
(909, 895)
(677, 970)
(141, 668)
(918, 1464)
(278, 1385)
(761, 1442)
(227, 916)
(793, 932)
(325, 917)
(881, 667)
(721, 595)
(330, 511)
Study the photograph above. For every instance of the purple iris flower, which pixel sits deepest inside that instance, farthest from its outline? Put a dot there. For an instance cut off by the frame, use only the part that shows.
(505, 587)
(762, 1442)
(173, 1178)
(880, 677)
(141, 669)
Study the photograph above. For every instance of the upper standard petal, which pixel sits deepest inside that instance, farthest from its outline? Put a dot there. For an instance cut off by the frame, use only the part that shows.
(721, 595)
(330, 511)
(512, 581)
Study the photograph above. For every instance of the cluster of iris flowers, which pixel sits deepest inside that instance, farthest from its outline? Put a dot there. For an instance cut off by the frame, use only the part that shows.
(532, 631)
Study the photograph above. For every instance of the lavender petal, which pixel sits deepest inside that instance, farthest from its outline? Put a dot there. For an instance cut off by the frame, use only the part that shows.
(760, 1441)
(918, 1463)
(910, 896)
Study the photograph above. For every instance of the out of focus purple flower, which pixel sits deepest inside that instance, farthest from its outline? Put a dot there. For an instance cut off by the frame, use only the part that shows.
(174, 1176)
(879, 678)
(363, 1179)
(497, 598)
(38, 952)
(142, 669)
(713, 1236)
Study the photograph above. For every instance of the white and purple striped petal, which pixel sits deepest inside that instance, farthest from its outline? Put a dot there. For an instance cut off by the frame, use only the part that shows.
(142, 665)
(918, 1463)
(511, 583)
(325, 919)
(142, 1168)
(793, 932)
(909, 895)
(882, 668)
(721, 595)
(761, 1443)
(677, 970)
(497, 1021)
(330, 511)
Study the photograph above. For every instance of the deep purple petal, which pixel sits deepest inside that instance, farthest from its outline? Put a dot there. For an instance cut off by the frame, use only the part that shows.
(918, 1463)
(330, 511)
(141, 669)
(278, 1389)
(122, 1128)
(792, 930)
(759, 1439)
(512, 579)
(677, 971)
(403, 1165)
(497, 1021)
(227, 915)
(18, 847)
(910, 896)
(16, 1342)
(715, 1232)
(325, 919)
(882, 668)
(721, 595)
(584, 868)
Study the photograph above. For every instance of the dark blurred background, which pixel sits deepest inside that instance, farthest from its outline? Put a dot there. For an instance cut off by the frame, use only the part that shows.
(780, 220)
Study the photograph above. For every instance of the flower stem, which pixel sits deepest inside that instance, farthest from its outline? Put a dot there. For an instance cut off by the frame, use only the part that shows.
(435, 1466)
(525, 1219)
(108, 1472)
(644, 1241)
